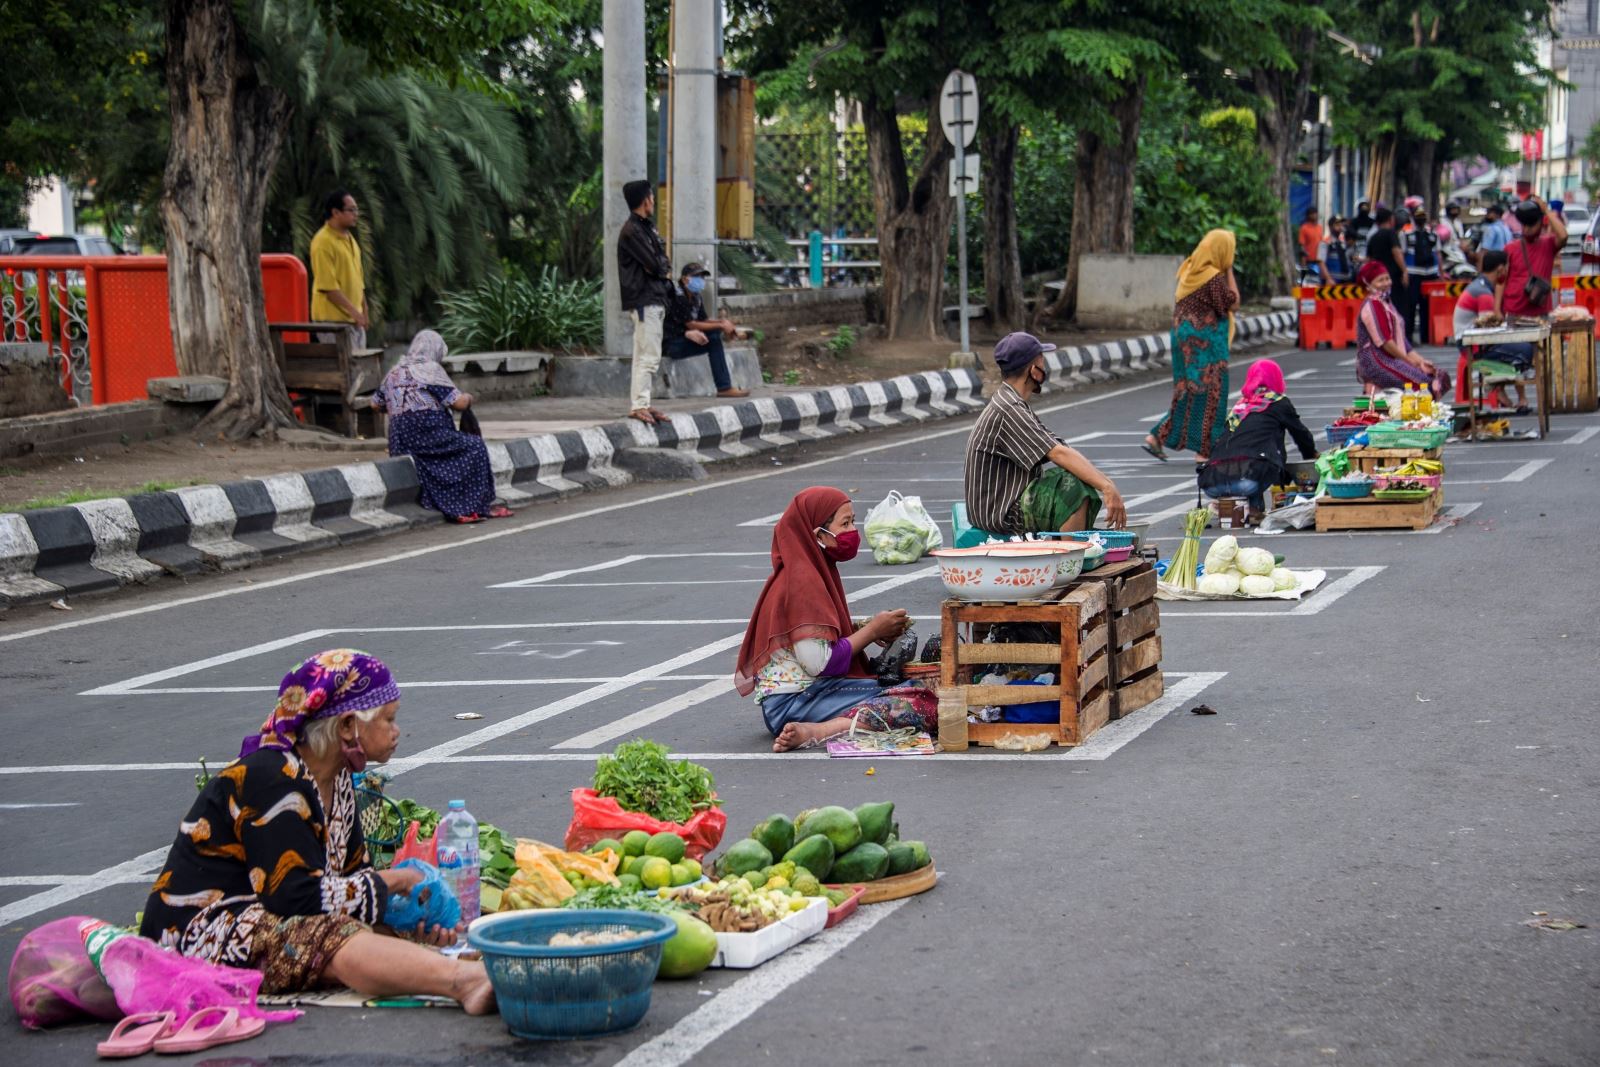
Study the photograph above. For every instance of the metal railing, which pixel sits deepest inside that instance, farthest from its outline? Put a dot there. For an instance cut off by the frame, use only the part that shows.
(821, 262)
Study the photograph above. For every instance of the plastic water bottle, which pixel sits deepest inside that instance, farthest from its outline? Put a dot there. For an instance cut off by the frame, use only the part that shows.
(457, 839)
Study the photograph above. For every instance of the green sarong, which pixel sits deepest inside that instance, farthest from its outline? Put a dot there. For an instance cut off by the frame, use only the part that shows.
(1053, 497)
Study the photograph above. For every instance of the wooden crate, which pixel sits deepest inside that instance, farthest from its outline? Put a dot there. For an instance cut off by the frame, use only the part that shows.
(1369, 513)
(1368, 460)
(1134, 621)
(1571, 382)
(1082, 667)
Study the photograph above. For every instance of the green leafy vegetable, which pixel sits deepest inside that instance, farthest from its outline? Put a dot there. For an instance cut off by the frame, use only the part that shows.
(615, 896)
(639, 776)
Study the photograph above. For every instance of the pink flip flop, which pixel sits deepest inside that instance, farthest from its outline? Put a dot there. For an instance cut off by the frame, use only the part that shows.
(136, 1034)
(228, 1028)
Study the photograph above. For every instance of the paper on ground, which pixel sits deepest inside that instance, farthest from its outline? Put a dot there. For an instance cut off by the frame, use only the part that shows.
(1307, 581)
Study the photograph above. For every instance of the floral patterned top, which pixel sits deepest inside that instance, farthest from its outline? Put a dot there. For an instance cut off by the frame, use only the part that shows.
(791, 669)
(256, 846)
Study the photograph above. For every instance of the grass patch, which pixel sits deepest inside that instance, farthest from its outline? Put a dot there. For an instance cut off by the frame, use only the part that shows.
(61, 500)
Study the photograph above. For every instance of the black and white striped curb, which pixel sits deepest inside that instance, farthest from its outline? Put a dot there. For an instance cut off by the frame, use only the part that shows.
(103, 544)
(1081, 365)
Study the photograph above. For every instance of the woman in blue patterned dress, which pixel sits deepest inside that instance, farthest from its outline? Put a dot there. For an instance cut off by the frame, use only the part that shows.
(452, 466)
(1202, 329)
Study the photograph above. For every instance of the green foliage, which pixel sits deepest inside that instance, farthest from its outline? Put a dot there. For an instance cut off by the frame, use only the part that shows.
(432, 167)
(791, 377)
(639, 776)
(1199, 171)
(843, 340)
(512, 311)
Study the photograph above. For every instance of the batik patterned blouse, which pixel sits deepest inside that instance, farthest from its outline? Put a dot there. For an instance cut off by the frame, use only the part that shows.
(255, 846)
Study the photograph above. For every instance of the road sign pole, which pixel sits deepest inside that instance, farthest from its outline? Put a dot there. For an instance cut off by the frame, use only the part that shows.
(961, 222)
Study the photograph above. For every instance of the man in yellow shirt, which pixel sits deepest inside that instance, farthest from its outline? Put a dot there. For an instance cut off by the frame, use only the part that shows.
(338, 290)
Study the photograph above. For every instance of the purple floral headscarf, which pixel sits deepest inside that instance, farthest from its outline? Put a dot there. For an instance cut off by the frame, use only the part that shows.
(327, 685)
(407, 387)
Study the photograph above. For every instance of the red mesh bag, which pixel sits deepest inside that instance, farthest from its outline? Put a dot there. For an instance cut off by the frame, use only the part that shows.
(595, 817)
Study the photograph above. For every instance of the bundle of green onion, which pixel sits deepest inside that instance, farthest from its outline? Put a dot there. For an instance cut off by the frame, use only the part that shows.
(1184, 561)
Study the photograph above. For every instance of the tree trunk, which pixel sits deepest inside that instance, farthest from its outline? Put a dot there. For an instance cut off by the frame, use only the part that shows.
(913, 224)
(1380, 172)
(1284, 96)
(1102, 203)
(1002, 260)
(227, 128)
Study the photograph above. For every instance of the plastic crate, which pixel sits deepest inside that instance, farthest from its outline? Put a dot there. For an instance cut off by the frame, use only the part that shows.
(1339, 436)
(1382, 481)
(1391, 435)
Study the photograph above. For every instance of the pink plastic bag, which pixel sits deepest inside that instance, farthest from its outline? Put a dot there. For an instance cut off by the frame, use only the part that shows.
(146, 977)
(53, 981)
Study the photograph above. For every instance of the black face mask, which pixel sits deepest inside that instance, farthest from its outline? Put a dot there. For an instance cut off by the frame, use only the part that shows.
(1039, 381)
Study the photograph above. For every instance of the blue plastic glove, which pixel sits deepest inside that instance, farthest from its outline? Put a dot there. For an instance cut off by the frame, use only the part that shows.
(431, 901)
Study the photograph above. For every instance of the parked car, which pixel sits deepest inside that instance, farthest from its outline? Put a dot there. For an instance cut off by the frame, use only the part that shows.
(1578, 219)
(9, 238)
(1589, 262)
(67, 244)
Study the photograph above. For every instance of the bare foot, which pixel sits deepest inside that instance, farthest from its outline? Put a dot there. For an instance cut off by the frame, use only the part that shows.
(800, 734)
(473, 991)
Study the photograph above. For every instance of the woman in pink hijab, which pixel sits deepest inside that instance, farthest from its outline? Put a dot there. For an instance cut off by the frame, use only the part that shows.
(1251, 456)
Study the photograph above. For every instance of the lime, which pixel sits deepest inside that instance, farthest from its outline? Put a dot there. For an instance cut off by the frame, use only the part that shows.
(668, 846)
(690, 950)
(634, 865)
(604, 843)
(655, 873)
(695, 870)
(680, 874)
(633, 842)
(631, 883)
(573, 878)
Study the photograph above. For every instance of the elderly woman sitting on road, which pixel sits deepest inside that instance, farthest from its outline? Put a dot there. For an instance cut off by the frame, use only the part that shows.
(270, 869)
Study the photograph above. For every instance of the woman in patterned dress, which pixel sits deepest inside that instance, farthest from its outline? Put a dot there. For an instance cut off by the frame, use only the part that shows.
(802, 654)
(1202, 329)
(1384, 357)
(452, 467)
(270, 869)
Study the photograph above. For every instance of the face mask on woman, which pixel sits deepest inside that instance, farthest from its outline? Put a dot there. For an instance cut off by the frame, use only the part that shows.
(695, 285)
(845, 547)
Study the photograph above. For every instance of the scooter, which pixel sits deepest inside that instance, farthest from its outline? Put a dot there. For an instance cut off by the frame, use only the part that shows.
(1455, 263)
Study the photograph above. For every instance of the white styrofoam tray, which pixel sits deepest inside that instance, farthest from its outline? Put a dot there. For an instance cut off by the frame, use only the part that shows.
(743, 951)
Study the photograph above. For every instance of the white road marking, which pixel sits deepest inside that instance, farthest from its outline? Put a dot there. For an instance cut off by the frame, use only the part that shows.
(1527, 470)
(1448, 518)
(58, 879)
(69, 889)
(832, 462)
(119, 688)
(612, 564)
(690, 1035)
(442, 684)
(1582, 435)
(1299, 374)
(1174, 487)
(23, 807)
(1315, 603)
(772, 520)
(1347, 363)
(630, 724)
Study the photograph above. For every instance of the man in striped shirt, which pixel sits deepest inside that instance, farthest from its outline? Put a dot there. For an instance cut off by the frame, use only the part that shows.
(1020, 477)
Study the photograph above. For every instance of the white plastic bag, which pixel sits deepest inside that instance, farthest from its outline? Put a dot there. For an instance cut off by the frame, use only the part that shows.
(900, 530)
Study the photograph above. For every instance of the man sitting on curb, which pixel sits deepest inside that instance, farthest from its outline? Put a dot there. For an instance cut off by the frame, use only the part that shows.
(690, 333)
(1020, 477)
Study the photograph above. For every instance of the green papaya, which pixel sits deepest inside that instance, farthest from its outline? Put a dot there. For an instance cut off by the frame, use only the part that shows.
(833, 822)
(902, 858)
(746, 855)
(775, 832)
(920, 851)
(874, 820)
(867, 862)
(815, 854)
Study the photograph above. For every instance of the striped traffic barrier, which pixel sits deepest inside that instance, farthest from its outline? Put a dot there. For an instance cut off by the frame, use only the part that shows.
(1328, 314)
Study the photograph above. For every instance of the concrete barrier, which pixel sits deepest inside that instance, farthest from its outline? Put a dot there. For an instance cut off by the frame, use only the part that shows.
(1126, 292)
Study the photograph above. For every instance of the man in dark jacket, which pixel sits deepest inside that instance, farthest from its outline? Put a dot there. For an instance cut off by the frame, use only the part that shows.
(645, 277)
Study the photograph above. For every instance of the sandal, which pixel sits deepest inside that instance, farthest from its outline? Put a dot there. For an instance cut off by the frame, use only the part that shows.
(227, 1029)
(136, 1034)
(1155, 450)
(466, 520)
(500, 511)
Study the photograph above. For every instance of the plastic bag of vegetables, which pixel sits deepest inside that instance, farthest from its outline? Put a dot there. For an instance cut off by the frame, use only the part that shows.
(900, 530)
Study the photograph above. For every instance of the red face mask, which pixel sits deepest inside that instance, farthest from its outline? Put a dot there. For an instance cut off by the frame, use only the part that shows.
(847, 545)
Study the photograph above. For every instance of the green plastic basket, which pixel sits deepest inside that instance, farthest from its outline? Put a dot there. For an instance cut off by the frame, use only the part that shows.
(1392, 435)
(1402, 496)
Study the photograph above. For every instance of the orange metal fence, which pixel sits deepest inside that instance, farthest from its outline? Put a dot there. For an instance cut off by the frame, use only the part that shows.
(106, 318)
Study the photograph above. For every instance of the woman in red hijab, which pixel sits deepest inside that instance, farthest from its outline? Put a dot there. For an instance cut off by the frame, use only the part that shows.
(1251, 455)
(802, 653)
(1384, 357)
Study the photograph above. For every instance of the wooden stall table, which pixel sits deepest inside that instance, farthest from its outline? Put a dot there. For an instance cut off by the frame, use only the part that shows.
(1370, 513)
(1079, 658)
(1570, 361)
(1134, 640)
(1538, 335)
(1371, 460)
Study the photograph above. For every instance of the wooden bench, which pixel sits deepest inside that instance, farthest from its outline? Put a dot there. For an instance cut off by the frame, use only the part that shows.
(339, 375)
